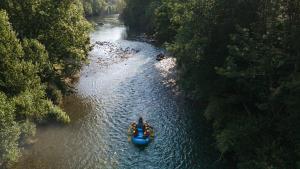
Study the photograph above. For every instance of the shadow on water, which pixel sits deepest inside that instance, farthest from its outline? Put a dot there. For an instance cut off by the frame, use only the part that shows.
(77, 107)
(107, 100)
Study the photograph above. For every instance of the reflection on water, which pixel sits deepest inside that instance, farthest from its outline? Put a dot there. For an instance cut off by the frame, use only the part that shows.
(108, 98)
(108, 29)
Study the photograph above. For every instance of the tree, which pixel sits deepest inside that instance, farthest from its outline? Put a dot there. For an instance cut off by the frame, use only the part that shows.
(60, 27)
(241, 59)
(139, 15)
(95, 7)
(22, 95)
(9, 132)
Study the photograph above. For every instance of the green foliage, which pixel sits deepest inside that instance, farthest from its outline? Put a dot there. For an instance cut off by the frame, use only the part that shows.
(139, 15)
(65, 35)
(242, 59)
(22, 96)
(94, 7)
(9, 131)
(60, 27)
(57, 114)
(102, 7)
(17, 75)
(88, 8)
(28, 130)
(119, 6)
(41, 44)
(36, 53)
(165, 30)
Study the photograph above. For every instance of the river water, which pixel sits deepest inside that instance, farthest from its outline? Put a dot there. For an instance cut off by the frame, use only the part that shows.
(122, 82)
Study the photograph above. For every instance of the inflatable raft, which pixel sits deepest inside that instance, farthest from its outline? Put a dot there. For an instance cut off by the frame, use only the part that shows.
(139, 138)
(140, 134)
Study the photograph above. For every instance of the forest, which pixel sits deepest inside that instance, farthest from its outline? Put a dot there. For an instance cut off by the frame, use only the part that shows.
(42, 44)
(102, 7)
(240, 61)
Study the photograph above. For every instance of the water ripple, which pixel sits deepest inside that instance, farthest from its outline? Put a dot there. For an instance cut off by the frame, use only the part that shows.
(107, 100)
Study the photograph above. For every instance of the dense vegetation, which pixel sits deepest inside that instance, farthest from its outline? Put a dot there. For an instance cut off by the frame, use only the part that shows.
(42, 44)
(102, 7)
(241, 60)
(139, 15)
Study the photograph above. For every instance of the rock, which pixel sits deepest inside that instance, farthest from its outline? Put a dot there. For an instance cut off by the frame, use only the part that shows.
(160, 57)
(99, 43)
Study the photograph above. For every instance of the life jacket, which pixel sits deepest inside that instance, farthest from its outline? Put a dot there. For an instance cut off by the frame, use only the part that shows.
(135, 132)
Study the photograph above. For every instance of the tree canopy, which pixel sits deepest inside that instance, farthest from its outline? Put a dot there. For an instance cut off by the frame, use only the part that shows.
(241, 60)
(102, 7)
(42, 42)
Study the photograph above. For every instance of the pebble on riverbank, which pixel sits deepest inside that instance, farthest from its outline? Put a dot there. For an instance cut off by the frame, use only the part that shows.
(117, 54)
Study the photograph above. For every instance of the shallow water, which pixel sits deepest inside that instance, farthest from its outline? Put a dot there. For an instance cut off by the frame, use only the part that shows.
(122, 82)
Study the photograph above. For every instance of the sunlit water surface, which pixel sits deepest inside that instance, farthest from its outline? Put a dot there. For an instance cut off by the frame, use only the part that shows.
(112, 92)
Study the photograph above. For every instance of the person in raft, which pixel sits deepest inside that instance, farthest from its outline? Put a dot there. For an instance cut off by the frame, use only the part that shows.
(143, 125)
(134, 128)
(140, 123)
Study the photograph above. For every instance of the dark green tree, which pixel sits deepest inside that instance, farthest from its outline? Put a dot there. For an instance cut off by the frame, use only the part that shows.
(140, 15)
(22, 95)
(241, 59)
(60, 27)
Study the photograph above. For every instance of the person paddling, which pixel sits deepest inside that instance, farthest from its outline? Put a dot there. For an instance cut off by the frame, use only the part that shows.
(140, 123)
(141, 133)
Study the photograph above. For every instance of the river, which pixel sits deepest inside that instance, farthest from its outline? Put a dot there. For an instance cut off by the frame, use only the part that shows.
(122, 82)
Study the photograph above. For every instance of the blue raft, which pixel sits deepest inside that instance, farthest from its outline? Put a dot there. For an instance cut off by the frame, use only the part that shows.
(140, 139)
